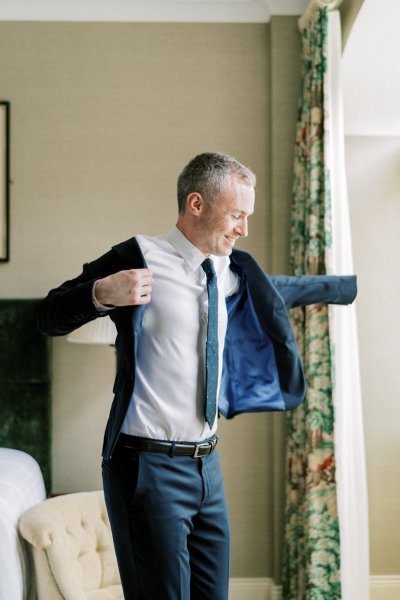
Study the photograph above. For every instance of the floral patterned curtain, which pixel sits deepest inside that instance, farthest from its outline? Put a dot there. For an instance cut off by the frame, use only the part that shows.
(311, 568)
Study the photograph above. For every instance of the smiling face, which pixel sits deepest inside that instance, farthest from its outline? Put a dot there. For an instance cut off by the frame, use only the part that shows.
(214, 227)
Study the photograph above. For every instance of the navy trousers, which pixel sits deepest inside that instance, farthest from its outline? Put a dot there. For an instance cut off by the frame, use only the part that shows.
(169, 523)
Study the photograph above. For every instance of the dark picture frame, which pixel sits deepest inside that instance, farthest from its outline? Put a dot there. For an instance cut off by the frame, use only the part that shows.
(4, 181)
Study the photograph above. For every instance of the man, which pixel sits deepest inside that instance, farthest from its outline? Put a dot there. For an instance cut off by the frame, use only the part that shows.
(196, 320)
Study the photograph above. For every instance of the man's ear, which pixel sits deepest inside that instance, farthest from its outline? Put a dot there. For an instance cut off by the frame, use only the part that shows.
(195, 203)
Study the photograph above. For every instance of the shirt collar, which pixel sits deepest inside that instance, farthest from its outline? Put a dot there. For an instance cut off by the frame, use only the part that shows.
(192, 256)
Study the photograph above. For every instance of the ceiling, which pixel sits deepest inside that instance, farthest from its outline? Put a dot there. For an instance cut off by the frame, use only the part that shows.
(253, 11)
(370, 68)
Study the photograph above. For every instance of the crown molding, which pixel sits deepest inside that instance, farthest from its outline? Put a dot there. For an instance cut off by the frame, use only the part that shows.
(206, 11)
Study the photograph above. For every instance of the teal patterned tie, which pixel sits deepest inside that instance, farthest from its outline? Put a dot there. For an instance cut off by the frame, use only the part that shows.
(212, 343)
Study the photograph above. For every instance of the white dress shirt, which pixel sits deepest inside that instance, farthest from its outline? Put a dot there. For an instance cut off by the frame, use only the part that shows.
(168, 398)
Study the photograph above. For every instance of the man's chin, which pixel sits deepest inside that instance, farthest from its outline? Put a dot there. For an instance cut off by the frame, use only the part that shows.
(223, 252)
(228, 249)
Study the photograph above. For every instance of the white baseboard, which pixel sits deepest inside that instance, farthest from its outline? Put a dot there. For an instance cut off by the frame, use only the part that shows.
(254, 588)
(276, 592)
(382, 587)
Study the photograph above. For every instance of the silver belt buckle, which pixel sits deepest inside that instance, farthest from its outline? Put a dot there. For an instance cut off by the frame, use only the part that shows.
(197, 450)
(210, 444)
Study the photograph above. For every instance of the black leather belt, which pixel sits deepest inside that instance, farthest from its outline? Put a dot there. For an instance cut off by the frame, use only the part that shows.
(195, 450)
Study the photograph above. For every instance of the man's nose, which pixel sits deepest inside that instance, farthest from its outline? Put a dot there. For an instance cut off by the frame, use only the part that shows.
(241, 228)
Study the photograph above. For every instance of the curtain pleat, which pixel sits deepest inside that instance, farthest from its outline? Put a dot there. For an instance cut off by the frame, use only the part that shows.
(311, 553)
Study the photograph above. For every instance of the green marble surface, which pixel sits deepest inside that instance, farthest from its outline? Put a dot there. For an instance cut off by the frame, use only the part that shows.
(25, 383)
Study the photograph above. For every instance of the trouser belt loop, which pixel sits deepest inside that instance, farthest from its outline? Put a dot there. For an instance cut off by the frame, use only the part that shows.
(171, 452)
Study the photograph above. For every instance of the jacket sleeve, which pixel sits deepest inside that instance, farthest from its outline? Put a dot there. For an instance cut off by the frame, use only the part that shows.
(70, 305)
(315, 289)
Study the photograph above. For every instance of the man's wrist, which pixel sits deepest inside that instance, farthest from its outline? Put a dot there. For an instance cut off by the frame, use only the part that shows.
(98, 305)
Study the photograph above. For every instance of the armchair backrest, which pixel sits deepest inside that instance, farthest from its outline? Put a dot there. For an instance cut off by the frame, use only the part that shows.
(72, 548)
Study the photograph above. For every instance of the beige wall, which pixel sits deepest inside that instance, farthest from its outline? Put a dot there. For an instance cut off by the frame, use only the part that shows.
(103, 118)
(373, 173)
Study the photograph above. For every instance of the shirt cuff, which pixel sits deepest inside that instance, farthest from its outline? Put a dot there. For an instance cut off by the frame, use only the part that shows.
(98, 306)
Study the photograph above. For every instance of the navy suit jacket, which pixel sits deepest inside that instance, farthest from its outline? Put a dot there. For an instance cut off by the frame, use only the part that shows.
(262, 369)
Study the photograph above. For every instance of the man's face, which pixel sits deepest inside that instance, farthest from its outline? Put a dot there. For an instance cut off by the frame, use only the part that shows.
(224, 221)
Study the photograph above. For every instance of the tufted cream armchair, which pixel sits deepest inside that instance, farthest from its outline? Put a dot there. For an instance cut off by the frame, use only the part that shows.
(72, 548)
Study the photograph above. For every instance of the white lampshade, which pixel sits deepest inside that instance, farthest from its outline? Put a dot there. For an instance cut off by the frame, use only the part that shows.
(99, 331)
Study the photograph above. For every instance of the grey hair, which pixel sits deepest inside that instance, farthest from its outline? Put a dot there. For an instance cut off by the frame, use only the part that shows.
(206, 174)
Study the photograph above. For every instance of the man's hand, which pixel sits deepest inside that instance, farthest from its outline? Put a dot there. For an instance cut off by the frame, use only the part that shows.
(125, 288)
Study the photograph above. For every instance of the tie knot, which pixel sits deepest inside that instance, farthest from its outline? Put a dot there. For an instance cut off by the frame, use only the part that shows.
(209, 268)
